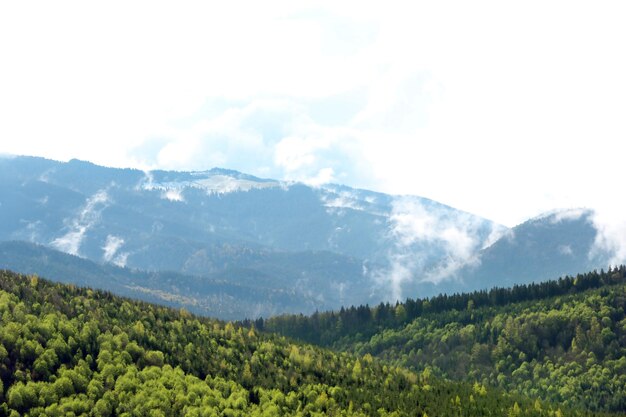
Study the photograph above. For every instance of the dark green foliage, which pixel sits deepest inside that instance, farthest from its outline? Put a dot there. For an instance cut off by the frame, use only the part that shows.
(564, 341)
(67, 351)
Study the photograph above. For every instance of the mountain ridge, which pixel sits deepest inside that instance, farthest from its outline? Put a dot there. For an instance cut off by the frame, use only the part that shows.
(339, 245)
(235, 294)
(200, 222)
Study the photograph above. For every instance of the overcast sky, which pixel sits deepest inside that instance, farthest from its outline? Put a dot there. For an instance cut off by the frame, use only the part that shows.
(504, 109)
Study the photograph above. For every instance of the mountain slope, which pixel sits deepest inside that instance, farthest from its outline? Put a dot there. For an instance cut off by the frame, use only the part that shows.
(555, 244)
(217, 222)
(333, 245)
(73, 351)
(236, 293)
(561, 340)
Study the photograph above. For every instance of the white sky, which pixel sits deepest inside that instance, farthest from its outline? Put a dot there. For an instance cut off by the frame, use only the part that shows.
(504, 109)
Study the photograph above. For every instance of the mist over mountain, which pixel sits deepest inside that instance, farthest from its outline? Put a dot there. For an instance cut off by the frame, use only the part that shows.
(324, 246)
(549, 246)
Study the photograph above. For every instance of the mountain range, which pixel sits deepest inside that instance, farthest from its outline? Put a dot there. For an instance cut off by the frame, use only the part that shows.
(231, 245)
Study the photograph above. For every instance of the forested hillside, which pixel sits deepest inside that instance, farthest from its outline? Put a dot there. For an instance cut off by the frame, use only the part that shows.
(68, 351)
(561, 340)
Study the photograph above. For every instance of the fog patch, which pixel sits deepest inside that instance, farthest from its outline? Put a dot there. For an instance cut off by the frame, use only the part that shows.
(431, 243)
(401, 270)
(88, 216)
(498, 232)
(112, 252)
(173, 195)
(323, 176)
(610, 241)
(147, 182)
(121, 259)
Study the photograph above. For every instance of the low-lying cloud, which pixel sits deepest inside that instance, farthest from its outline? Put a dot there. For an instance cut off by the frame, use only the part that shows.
(111, 247)
(609, 246)
(173, 195)
(610, 242)
(431, 243)
(78, 226)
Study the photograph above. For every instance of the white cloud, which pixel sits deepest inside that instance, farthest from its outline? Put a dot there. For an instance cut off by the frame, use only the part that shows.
(458, 102)
(611, 237)
(324, 176)
(173, 195)
(426, 234)
(304, 158)
(498, 232)
(88, 216)
(121, 259)
(71, 241)
(402, 269)
(267, 138)
(112, 252)
(297, 153)
(412, 223)
(111, 246)
(237, 136)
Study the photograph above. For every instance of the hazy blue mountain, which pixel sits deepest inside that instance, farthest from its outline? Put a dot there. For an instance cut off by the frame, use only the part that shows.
(236, 293)
(547, 247)
(340, 244)
(271, 245)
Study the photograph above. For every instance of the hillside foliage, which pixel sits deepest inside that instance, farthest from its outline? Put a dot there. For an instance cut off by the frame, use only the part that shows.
(562, 340)
(68, 351)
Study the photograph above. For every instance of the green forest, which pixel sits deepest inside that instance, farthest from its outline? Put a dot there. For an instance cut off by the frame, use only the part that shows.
(563, 341)
(70, 351)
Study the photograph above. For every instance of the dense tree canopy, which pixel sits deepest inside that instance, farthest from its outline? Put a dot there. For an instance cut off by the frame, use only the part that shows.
(562, 340)
(67, 351)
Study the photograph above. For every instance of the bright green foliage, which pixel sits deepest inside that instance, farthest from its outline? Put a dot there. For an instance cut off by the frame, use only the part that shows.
(69, 351)
(563, 341)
